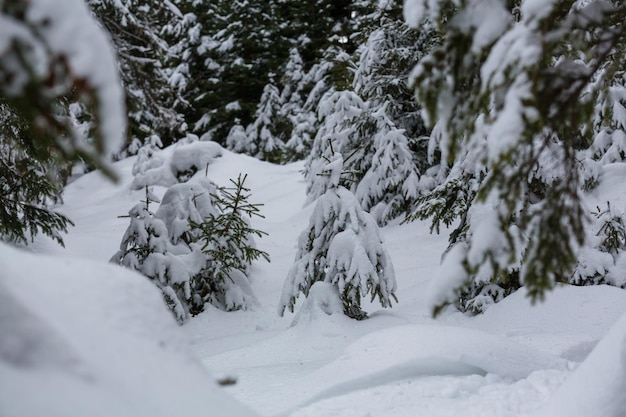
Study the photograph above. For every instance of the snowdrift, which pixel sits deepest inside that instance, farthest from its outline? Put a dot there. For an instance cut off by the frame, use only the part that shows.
(86, 339)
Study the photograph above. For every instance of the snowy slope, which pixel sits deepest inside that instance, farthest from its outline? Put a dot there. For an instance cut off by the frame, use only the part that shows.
(400, 362)
(81, 338)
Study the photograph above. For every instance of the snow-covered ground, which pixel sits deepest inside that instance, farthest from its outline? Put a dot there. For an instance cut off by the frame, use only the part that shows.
(511, 361)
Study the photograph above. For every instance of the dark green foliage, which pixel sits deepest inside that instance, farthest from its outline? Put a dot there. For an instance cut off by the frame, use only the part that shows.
(612, 231)
(26, 190)
(39, 142)
(444, 205)
(135, 28)
(514, 126)
(225, 237)
(226, 240)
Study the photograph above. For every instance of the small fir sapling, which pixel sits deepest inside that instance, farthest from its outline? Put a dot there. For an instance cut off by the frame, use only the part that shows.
(197, 247)
(602, 261)
(342, 246)
(226, 239)
(146, 249)
(185, 204)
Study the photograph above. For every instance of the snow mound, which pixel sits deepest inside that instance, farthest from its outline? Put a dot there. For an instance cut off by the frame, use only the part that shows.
(412, 351)
(568, 323)
(323, 300)
(597, 387)
(175, 164)
(457, 349)
(86, 339)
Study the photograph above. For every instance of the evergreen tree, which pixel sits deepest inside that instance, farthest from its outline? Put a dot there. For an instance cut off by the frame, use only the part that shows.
(299, 121)
(513, 102)
(51, 59)
(229, 50)
(390, 185)
(237, 140)
(382, 139)
(194, 67)
(197, 248)
(136, 30)
(602, 260)
(146, 248)
(227, 241)
(29, 185)
(339, 111)
(342, 246)
(312, 87)
(263, 140)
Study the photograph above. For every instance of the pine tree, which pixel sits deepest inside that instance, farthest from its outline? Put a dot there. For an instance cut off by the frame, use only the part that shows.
(513, 107)
(342, 246)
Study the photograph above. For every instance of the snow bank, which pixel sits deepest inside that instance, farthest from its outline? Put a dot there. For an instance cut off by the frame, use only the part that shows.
(413, 351)
(87, 339)
(178, 162)
(469, 349)
(597, 387)
(568, 323)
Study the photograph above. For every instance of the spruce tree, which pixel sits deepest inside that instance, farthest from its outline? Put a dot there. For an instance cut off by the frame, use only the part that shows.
(145, 248)
(227, 241)
(513, 106)
(263, 134)
(136, 28)
(198, 246)
(31, 183)
(339, 112)
(341, 246)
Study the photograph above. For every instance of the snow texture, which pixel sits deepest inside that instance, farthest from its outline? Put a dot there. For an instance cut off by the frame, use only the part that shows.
(76, 341)
(176, 164)
(597, 386)
(70, 31)
(107, 322)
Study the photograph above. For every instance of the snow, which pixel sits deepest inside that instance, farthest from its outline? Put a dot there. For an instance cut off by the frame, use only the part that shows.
(98, 329)
(85, 338)
(597, 386)
(69, 30)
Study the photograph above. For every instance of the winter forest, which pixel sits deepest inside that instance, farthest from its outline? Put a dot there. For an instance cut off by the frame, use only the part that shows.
(313, 208)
